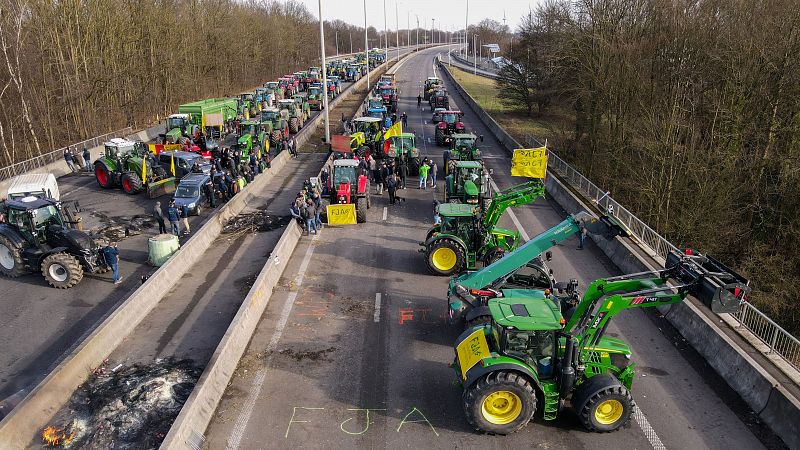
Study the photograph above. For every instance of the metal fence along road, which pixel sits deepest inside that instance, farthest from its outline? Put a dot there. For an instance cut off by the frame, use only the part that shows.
(51, 157)
(779, 341)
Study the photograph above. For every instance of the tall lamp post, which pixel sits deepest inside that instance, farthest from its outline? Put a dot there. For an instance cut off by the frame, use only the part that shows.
(366, 43)
(433, 32)
(385, 31)
(397, 29)
(417, 31)
(324, 74)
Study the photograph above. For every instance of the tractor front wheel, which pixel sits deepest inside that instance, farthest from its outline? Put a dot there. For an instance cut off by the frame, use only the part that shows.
(501, 402)
(293, 125)
(445, 257)
(131, 183)
(103, 176)
(493, 256)
(62, 270)
(275, 138)
(11, 263)
(361, 209)
(606, 409)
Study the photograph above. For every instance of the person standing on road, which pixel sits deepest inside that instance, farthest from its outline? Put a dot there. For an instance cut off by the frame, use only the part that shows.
(87, 159)
(209, 187)
(185, 219)
(158, 213)
(383, 175)
(434, 169)
(253, 164)
(373, 169)
(293, 146)
(310, 217)
(173, 217)
(403, 172)
(404, 119)
(318, 208)
(111, 254)
(582, 235)
(77, 159)
(419, 100)
(68, 159)
(423, 175)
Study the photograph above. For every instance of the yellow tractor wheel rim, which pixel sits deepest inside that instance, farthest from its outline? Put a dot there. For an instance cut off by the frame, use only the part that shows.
(608, 412)
(444, 258)
(501, 407)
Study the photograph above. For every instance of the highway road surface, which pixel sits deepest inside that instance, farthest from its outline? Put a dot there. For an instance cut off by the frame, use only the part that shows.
(354, 350)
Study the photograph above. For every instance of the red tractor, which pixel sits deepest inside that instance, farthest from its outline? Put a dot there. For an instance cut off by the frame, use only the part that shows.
(451, 123)
(439, 99)
(348, 185)
(388, 94)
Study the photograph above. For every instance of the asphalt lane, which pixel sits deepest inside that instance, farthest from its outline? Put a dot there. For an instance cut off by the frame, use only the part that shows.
(40, 325)
(354, 350)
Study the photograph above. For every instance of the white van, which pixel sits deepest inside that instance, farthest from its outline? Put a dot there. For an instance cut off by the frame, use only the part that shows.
(34, 184)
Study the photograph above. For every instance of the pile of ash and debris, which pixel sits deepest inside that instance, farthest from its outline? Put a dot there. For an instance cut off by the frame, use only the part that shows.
(118, 228)
(252, 222)
(125, 407)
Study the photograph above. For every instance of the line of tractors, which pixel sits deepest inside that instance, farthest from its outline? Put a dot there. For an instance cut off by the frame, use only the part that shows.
(532, 345)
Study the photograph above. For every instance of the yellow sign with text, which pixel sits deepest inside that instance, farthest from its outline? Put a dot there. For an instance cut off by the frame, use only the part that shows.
(342, 214)
(471, 350)
(529, 162)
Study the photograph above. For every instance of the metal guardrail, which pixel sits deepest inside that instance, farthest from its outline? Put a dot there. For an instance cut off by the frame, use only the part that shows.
(51, 157)
(778, 340)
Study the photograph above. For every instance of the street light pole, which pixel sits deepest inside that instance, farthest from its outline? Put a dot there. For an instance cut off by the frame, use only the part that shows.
(474, 54)
(466, 26)
(417, 31)
(397, 29)
(337, 42)
(351, 41)
(366, 43)
(324, 74)
(385, 31)
(408, 25)
(433, 27)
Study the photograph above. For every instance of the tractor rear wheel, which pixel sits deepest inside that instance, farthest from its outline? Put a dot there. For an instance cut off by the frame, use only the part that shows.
(439, 135)
(62, 270)
(131, 183)
(413, 167)
(103, 176)
(445, 257)
(11, 263)
(293, 125)
(361, 209)
(275, 138)
(608, 407)
(501, 402)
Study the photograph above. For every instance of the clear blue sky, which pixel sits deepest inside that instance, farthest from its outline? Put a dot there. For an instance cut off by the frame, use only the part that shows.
(448, 13)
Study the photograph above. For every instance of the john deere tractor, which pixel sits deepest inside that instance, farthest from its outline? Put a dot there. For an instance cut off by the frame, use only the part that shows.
(295, 116)
(36, 237)
(315, 100)
(301, 100)
(527, 359)
(468, 182)
(463, 147)
(431, 84)
(467, 235)
(450, 124)
(255, 135)
(404, 148)
(121, 165)
(278, 125)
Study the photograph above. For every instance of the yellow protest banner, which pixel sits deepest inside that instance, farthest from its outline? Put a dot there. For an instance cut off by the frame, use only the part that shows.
(342, 214)
(529, 162)
(471, 350)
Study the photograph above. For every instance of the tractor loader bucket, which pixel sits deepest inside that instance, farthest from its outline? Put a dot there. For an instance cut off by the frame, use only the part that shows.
(713, 283)
(162, 187)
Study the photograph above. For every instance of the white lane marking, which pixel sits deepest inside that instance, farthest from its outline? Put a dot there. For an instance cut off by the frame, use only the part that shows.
(258, 382)
(512, 215)
(385, 212)
(649, 432)
(377, 316)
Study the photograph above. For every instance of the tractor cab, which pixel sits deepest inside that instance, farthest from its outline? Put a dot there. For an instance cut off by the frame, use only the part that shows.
(33, 216)
(467, 182)
(367, 131)
(179, 126)
(403, 144)
(379, 113)
(463, 147)
(315, 93)
(439, 99)
(375, 102)
(349, 186)
(451, 123)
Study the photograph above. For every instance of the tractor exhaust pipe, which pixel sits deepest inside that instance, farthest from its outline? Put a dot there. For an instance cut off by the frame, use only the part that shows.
(567, 378)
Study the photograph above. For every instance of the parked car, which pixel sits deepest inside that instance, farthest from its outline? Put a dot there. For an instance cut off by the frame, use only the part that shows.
(191, 192)
(183, 162)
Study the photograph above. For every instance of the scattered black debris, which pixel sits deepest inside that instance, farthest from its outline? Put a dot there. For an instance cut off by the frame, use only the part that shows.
(118, 228)
(253, 222)
(315, 355)
(127, 407)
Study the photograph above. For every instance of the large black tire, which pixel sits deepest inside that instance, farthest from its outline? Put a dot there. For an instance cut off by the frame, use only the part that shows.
(62, 270)
(445, 257)
(293, 125)
(603, 404)
(131, 183)
(439, 135)
(479, 321)
(103, 176)
(361, 209)
(11, 263)
(493, 256)
(500, 402)
(275, 138)
(413, 167)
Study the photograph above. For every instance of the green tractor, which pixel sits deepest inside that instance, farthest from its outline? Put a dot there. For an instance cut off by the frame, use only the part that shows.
(404, 147)
(467, 234)
(274, 89)
(366, 132)
(179, 127)
(294, 115)
(121, 165)
(527, 354)
(301, 100)
(467, 182)
(254, 135)
(315, 100)
(247, 105)
(278, 124)
(431, 84)
(463, 147)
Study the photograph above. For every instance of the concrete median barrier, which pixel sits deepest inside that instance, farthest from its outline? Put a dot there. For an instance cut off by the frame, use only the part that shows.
(776, 405)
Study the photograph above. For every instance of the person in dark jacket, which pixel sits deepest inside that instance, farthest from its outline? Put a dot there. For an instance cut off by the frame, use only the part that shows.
(318, 206)
(253, 164)
(87, 159)
(310, 216)
(185, 219)
(111, 254)
(294, 210)
(158, 213)
(210, 194)
(173, 216)
(69, 160)
(391, 186)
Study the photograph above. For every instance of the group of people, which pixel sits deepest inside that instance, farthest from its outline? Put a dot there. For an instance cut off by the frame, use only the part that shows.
(174, 215)
(78, 160)
(307, 208)
(289, 145)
